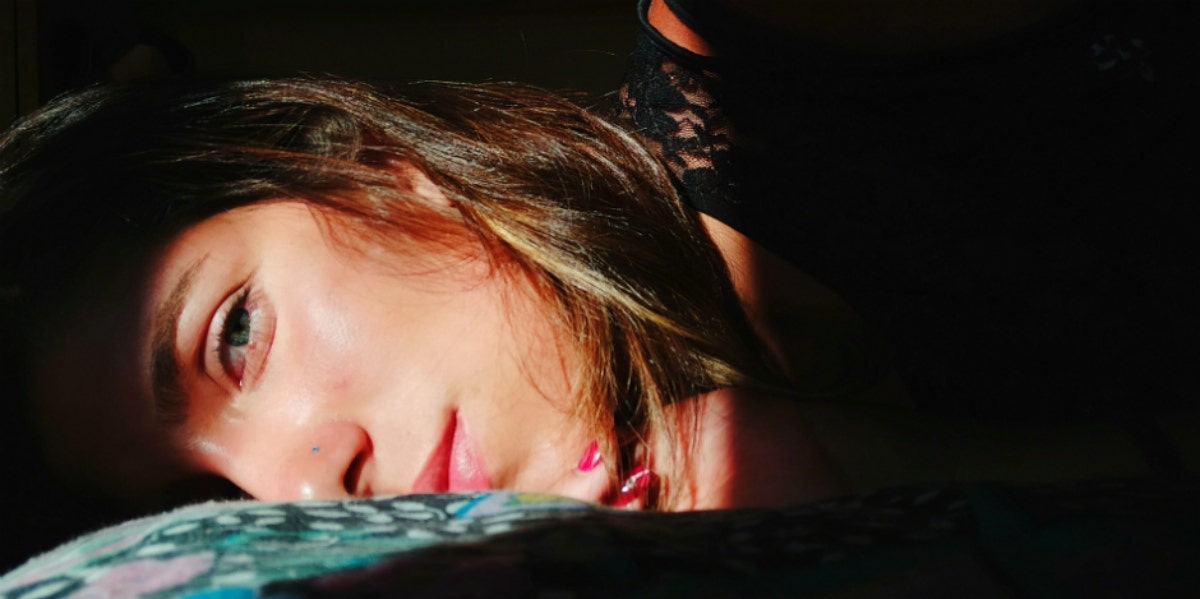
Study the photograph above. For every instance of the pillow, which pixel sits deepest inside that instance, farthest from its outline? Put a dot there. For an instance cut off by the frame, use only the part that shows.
(245, 545)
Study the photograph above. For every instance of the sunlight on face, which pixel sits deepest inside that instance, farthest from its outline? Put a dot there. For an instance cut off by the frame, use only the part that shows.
(259, 352)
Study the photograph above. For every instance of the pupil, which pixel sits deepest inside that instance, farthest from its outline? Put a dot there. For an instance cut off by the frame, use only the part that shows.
(237, 327)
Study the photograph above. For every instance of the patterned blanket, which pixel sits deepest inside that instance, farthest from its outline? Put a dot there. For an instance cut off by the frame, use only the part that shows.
(1111, 538)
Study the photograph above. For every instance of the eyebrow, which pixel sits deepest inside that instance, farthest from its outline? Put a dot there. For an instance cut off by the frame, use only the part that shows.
(170, 401)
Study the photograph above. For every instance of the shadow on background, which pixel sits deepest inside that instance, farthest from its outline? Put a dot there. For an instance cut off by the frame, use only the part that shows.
(58, 45)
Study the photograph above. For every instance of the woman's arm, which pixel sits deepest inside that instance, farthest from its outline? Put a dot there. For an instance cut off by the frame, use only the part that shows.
(808, 330)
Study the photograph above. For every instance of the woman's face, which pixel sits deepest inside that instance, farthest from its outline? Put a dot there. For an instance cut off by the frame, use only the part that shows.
(260, 352)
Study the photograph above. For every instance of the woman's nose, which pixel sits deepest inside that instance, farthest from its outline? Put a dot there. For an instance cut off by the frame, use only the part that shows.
(322, 462)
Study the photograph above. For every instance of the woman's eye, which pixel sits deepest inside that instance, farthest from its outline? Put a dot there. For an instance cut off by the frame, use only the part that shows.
(239, 339)
(235, 340)
(236, 332)
(243, 337)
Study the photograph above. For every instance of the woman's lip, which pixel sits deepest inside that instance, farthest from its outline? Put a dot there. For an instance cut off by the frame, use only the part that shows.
(466, 462)
(435, 474)
(454, 465)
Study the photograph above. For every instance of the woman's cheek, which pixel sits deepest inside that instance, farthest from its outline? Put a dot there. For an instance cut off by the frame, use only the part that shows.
(585, 479)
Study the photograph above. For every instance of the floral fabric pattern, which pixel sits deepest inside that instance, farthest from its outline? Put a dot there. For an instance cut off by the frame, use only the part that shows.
(238, 547)
(1095, 538)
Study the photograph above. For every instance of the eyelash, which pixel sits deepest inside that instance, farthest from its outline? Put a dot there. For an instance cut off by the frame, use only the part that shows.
(242, 358)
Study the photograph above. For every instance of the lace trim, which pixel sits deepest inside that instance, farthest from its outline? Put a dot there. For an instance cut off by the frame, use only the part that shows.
(676, 111)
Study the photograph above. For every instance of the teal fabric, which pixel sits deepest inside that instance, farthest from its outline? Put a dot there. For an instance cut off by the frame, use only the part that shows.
(1120, 538)
(230, 550)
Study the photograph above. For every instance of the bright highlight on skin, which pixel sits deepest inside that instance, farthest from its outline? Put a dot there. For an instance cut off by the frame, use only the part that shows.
(318, 358)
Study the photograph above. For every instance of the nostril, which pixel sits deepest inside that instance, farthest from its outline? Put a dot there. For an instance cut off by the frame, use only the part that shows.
(353, 477)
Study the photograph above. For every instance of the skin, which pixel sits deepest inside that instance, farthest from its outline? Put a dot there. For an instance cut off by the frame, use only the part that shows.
(355, 367)
(354, 373)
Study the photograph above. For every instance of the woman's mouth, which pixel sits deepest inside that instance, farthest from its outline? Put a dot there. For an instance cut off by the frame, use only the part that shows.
(455, 464)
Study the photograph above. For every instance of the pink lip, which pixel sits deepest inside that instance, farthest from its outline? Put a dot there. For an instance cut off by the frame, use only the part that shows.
(466, 462)
(454, 465)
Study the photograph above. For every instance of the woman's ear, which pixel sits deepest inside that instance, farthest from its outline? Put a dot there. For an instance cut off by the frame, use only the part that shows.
(415, 180)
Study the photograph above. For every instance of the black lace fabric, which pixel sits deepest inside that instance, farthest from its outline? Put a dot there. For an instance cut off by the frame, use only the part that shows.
(676, 110)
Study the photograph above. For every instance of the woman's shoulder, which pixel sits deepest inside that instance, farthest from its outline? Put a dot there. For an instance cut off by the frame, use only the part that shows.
(749, 448)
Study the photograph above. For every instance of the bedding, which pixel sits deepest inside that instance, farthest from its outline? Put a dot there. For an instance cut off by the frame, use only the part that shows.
(1111, 538)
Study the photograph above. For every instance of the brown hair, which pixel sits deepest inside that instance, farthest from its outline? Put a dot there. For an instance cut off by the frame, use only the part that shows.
(572, 198)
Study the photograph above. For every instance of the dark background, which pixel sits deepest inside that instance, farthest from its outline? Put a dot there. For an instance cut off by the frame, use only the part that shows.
(50, 46)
